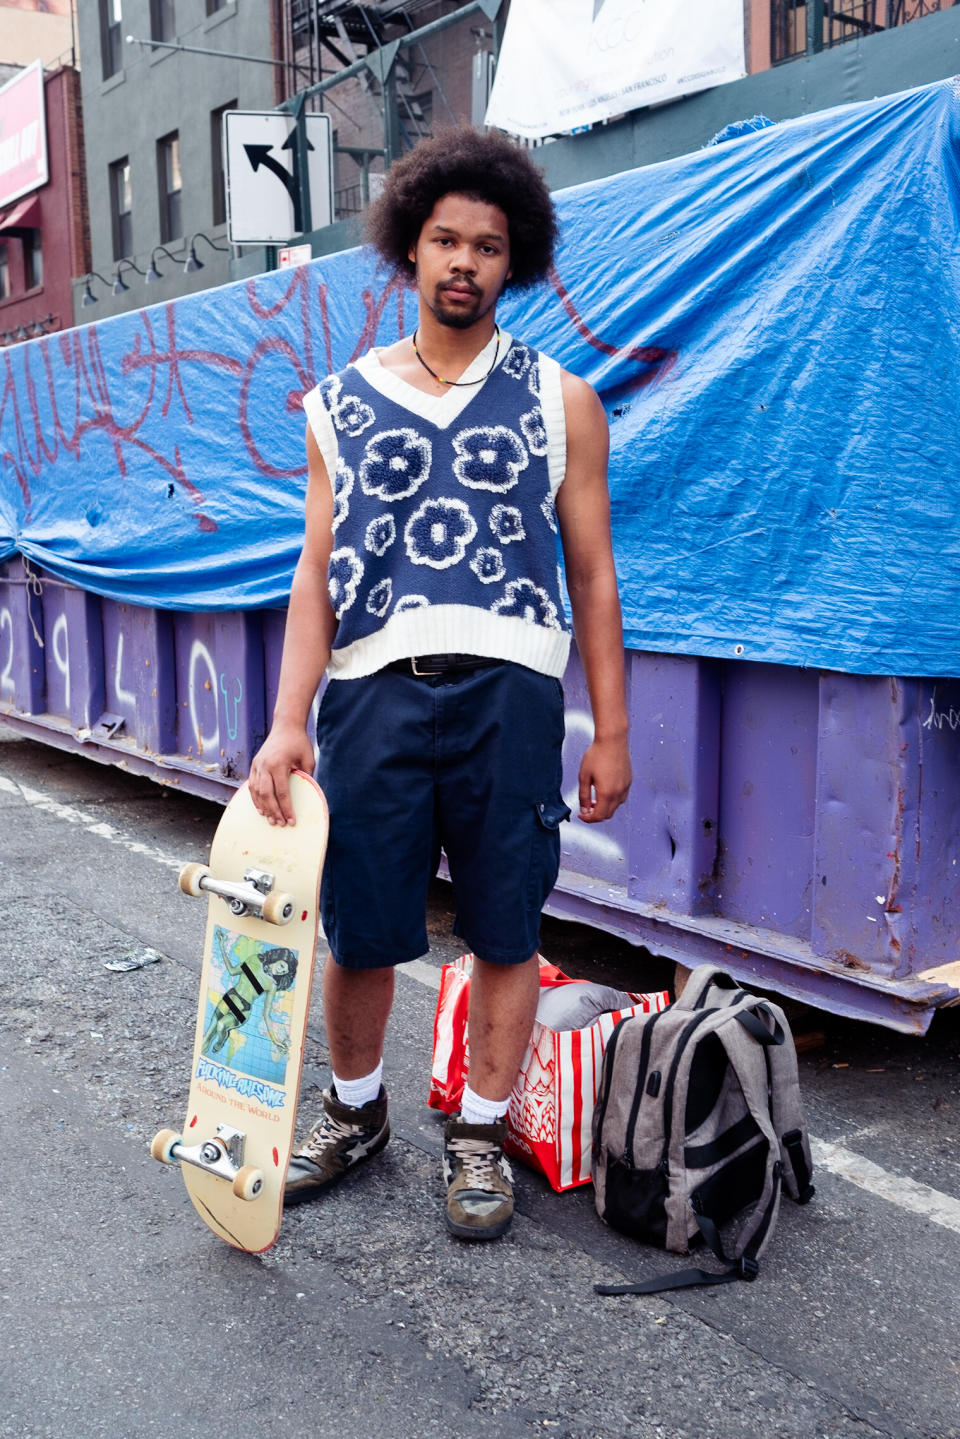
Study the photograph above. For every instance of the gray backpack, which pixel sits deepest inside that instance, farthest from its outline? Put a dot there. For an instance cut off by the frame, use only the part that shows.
(699, 1123)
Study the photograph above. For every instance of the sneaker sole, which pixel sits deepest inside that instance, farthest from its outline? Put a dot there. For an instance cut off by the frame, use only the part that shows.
(469, 1231)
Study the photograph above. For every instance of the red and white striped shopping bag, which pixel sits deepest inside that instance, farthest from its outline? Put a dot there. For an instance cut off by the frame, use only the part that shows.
(551, 1107)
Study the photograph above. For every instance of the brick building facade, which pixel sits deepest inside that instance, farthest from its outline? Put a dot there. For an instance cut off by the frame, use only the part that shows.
(44, 235)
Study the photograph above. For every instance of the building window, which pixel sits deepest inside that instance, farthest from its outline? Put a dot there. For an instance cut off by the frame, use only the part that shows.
(4, 271)
(214, 5)
(32, 259)
(111, 37)
(121, 208)
(163, 21)
(168, 174)
(788, 30)
(217, 162)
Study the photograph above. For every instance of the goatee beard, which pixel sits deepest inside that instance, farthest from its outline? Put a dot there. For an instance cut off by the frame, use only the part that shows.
(456, 319)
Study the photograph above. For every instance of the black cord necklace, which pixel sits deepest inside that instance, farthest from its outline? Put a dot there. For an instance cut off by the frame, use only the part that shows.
(439, 378)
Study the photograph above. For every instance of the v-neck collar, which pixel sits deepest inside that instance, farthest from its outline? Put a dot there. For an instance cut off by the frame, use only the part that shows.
(440, 410)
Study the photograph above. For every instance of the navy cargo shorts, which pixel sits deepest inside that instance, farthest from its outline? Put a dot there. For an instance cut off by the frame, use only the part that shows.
(468, 761)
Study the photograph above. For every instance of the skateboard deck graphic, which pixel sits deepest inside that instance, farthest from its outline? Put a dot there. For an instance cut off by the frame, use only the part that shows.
(262, 884)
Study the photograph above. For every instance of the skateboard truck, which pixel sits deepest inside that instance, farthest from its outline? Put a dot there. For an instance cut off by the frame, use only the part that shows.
(222, 1155)
(254, 894)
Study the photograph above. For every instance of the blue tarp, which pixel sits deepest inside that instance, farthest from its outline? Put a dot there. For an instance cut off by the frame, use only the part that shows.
(771, 323)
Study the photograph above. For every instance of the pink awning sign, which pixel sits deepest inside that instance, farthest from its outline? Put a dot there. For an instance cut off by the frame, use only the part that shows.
(23, 134)
(22, 216)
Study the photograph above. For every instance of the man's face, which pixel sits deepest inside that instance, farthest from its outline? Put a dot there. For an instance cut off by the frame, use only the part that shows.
(463, 260)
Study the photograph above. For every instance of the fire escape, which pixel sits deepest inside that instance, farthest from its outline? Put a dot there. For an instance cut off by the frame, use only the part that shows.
(396, 92)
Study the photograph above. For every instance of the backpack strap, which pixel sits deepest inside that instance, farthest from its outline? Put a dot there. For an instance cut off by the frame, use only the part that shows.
(746, 1267)
(754, 1025)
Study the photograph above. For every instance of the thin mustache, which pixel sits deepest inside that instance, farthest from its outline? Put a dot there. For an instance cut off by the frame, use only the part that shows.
(461, 285)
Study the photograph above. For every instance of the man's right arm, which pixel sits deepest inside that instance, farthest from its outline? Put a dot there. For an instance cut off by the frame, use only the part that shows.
(311, 626)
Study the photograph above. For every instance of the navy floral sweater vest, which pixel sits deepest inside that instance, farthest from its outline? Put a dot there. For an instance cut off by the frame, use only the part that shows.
(445, 538)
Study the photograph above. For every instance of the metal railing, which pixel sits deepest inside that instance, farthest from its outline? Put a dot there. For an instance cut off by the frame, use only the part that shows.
(803, 27)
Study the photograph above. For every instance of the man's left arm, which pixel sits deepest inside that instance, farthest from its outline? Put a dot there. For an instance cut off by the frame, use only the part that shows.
(583, 513)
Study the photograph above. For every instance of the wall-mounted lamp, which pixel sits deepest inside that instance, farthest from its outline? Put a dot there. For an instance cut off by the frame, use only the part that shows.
(153, 274)
(193, 262)
(32, 330)
(119, 286)
(89, 298)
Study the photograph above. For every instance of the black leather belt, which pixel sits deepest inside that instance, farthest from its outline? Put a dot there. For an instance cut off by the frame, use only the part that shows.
(424, 666)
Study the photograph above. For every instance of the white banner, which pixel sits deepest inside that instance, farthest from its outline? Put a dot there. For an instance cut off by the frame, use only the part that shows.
(567, 63)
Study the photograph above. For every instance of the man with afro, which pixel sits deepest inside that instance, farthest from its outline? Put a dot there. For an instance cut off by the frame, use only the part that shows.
(443, 469)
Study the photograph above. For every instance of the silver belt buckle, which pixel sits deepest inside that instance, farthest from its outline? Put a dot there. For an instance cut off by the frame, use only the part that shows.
(422, 674)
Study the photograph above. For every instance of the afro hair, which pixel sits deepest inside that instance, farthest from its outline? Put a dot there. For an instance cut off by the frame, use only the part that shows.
(484, 166)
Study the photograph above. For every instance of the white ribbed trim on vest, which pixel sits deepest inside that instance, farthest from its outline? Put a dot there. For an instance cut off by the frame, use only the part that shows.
(451, 629)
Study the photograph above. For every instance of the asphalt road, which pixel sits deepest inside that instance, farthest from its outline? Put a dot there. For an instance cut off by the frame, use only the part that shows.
(124, 1316)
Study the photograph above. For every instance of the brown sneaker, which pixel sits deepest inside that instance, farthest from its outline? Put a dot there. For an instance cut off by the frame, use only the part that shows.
(342, 1138)
(478, 1178)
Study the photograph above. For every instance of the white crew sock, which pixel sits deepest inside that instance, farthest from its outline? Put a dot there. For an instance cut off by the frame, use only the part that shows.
(476, 1110)
(358, 1092)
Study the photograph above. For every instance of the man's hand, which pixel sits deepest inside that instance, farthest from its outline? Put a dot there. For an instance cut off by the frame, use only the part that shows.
(605, 776)
(286, 748)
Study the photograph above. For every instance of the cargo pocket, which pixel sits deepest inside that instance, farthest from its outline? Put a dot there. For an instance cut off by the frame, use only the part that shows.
(552, 812)
(545, 850)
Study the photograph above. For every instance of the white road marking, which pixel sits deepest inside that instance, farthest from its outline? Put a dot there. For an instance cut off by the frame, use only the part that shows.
(36, 799)
(907, 1194)
(422, 972)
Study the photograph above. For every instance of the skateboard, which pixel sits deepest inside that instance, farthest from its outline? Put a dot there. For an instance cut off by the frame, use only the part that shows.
(262, 885)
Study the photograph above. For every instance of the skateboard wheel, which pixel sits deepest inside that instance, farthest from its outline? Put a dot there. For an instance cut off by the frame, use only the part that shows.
(190, 877)
(162, 1146)
(278, 908)
(248, 1182)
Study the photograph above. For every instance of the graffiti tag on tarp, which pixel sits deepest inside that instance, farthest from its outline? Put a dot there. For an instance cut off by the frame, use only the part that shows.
(59, 416)
(72, 413)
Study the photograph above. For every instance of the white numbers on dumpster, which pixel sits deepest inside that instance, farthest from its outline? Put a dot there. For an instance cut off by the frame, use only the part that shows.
(61, 656)
(198, 690)
(123, 697)
(6, 678)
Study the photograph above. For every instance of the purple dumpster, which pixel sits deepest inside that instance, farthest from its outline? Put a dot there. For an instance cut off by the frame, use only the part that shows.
(797, 826)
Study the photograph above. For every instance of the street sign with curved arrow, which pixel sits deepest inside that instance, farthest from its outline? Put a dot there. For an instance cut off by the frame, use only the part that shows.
(264, 174)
